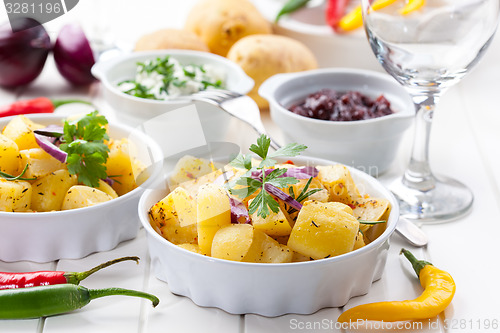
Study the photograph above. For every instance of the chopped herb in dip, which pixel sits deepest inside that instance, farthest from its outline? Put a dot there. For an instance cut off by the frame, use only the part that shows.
(166, 78)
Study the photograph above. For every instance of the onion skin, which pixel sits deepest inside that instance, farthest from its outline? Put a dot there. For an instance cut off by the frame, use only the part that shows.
(73, 55)
(22, 53)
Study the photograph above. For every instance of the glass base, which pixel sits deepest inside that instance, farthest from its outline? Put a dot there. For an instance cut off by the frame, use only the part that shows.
(448, 200)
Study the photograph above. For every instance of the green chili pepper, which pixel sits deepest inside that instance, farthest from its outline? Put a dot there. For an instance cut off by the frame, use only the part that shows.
(290, 7)
(35, 302)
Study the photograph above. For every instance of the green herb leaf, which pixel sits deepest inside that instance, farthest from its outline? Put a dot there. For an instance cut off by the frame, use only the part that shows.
(83, 141)
(6, 176)
(291, 150)
(242, 161)
(263, 203)
(262, 146)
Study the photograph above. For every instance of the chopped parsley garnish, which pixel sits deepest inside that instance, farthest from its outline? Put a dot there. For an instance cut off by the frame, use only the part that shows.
(247, 184)
(83, 141)
(155, 79)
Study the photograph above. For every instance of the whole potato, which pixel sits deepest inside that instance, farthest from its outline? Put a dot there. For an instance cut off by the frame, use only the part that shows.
(170, 39)
(221, 23)
(262, 56)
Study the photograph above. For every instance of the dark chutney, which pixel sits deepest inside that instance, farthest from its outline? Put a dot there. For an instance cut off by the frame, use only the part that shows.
(328, 104)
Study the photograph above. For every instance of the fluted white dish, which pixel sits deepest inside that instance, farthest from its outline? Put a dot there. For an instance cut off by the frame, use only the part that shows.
(270, 289)
(73, 234)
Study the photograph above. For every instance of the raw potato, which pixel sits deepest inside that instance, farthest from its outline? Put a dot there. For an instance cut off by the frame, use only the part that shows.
(80, 196)
(232, 242)
(322, 230)
(264, 249)
(49, 191)
(20, 130)
(213, 212)
(262, 56)
(39, 163)
(221, 23)
(10, 160)
(164, 217)
(171, 39)
(275, 224)
(15, 196)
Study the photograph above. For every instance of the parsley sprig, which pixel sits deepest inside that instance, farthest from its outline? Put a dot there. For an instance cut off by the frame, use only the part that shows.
(246, 185)
(83, 141)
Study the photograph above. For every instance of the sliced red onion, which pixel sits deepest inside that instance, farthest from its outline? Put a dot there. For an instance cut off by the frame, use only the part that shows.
(109, 181)
(276, 192)
(239, 212)
(49, 147)
(301, 173)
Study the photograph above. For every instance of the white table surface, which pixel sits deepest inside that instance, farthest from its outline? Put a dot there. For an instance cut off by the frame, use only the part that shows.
(464, 145)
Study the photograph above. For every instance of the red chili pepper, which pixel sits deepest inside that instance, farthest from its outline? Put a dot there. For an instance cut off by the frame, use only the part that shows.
(44, 278)
(289, 162)
(335, 10)
(36, 105)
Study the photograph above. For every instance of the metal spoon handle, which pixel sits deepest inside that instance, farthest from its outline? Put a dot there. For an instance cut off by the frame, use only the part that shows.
(413, 234)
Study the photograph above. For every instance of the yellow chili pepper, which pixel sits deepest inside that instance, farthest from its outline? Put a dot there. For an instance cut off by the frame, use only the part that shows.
(411, 6)
(354, 19)
(439, 289)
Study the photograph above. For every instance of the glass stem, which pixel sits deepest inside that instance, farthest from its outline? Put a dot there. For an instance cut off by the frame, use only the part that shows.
(418, 175)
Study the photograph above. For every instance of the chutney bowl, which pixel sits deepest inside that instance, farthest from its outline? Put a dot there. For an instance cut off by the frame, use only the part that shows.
(370, 145)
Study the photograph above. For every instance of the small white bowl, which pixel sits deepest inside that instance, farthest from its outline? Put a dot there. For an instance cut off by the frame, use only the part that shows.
(73, 234)
(308, 25)
(271, 289)
(134, 110)
(369, 145)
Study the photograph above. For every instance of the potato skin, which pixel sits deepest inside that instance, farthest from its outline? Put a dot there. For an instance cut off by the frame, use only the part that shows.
(221, 23)
(171, 39)
(262, 56)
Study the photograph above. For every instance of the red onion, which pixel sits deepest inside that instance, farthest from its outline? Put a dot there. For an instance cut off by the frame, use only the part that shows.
(49, 147)
(73, 55)
(276, 192)
(22, 53)
(239, 212)
(301, 173)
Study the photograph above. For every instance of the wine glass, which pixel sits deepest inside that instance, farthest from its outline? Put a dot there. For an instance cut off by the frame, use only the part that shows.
(427, 51)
